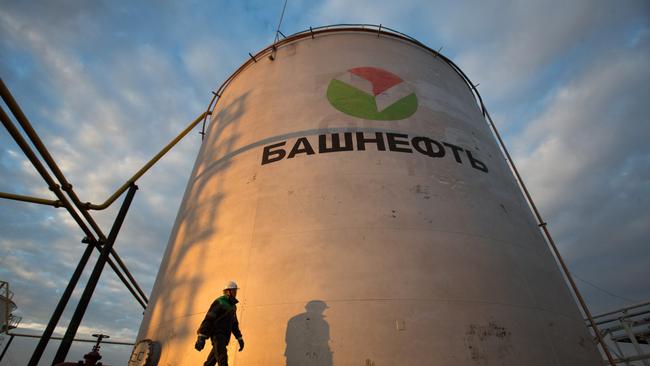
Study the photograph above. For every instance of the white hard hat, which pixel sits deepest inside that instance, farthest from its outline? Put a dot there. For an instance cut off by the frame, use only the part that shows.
(232, 285)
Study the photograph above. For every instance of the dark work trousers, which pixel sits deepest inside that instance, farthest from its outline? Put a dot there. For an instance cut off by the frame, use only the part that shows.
(219, 354)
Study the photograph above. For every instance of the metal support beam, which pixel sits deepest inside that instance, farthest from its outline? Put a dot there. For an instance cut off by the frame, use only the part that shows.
(11, 338)
(620, 353)
(633, 340)
(63, 302)
(625, 310)
(83, 208)
(64, 347)
(24, 146)
(66, 186)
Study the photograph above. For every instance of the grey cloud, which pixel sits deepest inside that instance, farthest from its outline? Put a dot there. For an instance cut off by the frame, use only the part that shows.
(586, 160)
(513, 45)
(90, 131)
(569, 83)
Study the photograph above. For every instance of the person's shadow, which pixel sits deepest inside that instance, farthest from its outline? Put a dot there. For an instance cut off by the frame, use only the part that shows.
(308, 336)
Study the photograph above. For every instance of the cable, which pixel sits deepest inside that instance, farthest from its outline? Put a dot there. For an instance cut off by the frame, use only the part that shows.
(604, 290)
(277, 32)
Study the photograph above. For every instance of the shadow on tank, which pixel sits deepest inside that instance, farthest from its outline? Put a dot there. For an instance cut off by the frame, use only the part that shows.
(308, 336)
(194, 227)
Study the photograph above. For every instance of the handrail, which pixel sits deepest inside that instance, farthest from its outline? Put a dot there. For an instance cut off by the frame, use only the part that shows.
(621, 310)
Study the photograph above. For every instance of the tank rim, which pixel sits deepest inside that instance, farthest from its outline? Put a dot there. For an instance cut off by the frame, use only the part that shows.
(379, 30)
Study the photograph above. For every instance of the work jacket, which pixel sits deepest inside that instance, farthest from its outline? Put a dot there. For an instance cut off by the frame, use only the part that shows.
(221, 319)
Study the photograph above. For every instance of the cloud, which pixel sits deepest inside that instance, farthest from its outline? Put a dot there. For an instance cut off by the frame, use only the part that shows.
(567, 85)
(107, 86)
(101, 119)
(595, 124)
(587, 163)
(365, 11)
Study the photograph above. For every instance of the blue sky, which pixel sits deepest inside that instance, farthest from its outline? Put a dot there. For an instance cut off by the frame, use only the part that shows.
(107, 84)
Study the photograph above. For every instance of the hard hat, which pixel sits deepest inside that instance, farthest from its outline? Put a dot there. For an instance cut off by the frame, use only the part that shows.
(232, 285)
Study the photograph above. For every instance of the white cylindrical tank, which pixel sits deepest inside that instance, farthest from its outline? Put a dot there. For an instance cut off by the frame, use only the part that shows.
(351, 186)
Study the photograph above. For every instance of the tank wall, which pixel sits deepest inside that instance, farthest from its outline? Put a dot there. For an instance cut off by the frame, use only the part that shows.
(360, 257)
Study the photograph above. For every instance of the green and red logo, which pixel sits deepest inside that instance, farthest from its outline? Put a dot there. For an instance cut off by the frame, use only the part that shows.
(372, 93)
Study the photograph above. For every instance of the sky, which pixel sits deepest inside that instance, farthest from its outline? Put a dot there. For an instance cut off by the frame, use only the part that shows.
(107, 84)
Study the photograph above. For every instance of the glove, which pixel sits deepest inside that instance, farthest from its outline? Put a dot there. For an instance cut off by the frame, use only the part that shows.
(241, 343)
(200, 343)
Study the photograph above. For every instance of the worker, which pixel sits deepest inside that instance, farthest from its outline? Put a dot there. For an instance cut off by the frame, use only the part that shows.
(219, 322)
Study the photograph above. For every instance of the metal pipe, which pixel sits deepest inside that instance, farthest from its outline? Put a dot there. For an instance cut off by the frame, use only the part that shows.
(619, 355)
(140, 296)
(79, 312)
(22, 120)
(621, 310)
(13, 131)
(76, 339)
(634, 323)
(65, 184)
(41, 201)
(15, 134)
(22, 143)
(60, 307)
(633, 340)
(125, 282)
(117, 258)
(625, 315)
(2, 355)
(635, 358)
(146, 167)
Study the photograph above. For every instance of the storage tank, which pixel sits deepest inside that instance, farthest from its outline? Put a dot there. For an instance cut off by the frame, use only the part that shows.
(350, 184)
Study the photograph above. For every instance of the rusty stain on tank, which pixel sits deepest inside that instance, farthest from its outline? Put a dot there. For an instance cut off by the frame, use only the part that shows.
(488, 342)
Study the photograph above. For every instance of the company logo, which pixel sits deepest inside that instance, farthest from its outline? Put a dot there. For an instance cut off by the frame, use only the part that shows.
(372, 93)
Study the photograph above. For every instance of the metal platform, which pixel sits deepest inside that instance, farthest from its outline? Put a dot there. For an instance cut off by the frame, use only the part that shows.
(627, 331)
(8, 321)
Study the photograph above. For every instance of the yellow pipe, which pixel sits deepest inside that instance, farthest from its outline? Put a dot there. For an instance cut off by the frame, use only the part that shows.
(149, 164)
(42, 201)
